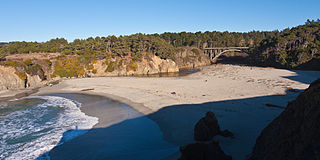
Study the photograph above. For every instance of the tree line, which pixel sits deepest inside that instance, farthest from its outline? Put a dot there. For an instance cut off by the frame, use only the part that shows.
(287, 48)
(291, 48)
(164, 45)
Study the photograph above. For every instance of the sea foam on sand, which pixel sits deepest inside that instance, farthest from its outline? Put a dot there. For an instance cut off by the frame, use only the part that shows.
(44, 134)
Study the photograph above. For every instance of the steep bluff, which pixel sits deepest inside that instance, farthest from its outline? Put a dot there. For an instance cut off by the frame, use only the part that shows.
(33, 70)
(9, 79)
(119, 67)
(294, 134)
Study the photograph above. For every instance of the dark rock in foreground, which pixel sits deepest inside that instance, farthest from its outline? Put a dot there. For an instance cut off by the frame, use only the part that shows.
(203, 151)
(226, 133)
(295, 133)
(206, 128)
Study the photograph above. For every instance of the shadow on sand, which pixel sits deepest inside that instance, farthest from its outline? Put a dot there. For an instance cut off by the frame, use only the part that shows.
(159, 135)
(303, 76)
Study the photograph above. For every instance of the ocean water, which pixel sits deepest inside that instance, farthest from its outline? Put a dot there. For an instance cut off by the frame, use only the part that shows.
(32, 126)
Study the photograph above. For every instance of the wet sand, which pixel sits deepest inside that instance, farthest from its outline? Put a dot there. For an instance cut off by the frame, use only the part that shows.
(121, 133)
(237, 94)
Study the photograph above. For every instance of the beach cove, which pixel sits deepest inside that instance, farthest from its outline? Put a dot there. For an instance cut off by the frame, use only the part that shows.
(151, 117)
(236, 94)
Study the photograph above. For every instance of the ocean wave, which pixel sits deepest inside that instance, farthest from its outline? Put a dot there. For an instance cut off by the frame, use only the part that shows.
(30, 133)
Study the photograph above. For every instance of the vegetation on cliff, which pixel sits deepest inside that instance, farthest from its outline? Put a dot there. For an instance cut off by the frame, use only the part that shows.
(68, 67)
(291, 48)
(27, 67)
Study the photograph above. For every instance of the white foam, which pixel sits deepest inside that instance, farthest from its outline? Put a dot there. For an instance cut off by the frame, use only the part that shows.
(17, 124)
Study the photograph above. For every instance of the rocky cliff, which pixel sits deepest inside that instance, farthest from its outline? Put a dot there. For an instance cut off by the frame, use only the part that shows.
(191, 57)
(10, 79)
(294, 134)
(122, 67)
(21, 74)
(32, 70)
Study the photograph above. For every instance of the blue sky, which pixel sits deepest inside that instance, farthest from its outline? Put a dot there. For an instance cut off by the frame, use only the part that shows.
(41, 20)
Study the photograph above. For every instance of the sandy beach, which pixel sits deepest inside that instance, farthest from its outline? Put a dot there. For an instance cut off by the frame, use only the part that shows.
(122, 133)
(237, 94)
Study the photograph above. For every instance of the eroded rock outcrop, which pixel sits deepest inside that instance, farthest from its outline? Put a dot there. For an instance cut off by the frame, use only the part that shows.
(203, 151)
(191, 57)
(153, 65)
(294, 134)
(9, 79)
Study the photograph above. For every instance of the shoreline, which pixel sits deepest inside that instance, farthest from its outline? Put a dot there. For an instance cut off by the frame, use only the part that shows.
(98, 102)
(115, 120)
(137, 106)
(236, 94)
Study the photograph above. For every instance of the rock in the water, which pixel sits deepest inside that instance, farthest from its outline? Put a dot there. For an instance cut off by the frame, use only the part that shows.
(206, 128)
(295, 133)
(203, 151)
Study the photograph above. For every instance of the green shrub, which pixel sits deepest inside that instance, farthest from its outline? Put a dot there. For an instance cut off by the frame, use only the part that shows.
(89, 67)
(94, 71)
(106, 62)
(67, 52)
(49, 63)
(137, 57)
(110, 67)
(14, 64)
(180, 49)
(120, 63)
(195, 51)
(132, 66)
(28, 62)
(22, 75)
(70, 67)
(186, 59)
(35, 69)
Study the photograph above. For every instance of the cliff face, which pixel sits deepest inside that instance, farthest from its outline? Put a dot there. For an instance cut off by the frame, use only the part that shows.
(32, 70)
(294, 134)
(191, 57)
(153, 66)
(185, 59)
(10, 80)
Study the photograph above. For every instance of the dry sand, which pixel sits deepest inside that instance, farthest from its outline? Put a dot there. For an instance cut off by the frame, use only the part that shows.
(213, 83)
(237, 95)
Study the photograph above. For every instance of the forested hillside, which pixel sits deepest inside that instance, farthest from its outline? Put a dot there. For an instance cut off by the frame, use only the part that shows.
(99, 47)
(217, 39)
(164, 45)
(298, 47)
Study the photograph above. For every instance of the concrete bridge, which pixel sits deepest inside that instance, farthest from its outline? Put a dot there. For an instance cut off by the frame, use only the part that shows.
(215, 52)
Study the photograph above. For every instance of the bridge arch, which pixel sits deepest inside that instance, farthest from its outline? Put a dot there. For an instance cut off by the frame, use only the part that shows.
(215, 52)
